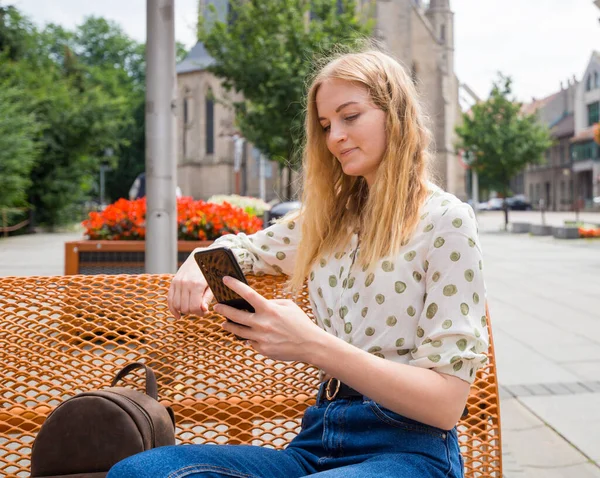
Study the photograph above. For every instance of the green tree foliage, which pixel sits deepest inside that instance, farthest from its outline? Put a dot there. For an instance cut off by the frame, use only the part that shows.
(19, 148)
(265, 50)
(118, 64)
(78, 119)
(500, 140)
(16, 38)
(82, 95)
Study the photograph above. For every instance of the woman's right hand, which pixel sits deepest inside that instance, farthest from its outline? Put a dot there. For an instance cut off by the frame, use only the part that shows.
(189, 293)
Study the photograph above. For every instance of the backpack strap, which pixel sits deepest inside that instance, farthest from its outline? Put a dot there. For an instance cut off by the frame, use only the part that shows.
(151, 386)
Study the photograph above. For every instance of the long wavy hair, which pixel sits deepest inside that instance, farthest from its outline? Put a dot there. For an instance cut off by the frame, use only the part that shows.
(336, 205)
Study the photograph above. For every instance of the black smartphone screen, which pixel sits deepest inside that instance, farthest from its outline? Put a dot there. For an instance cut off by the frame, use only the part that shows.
(217, 263)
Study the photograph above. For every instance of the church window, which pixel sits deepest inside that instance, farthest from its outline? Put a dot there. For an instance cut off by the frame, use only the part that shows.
(443, 32)
(188, 113)
(596, 80)
(187, 120)
(210, 123)
(588, 83)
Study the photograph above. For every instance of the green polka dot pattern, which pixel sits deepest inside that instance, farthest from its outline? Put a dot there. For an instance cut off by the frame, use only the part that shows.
(424, 306)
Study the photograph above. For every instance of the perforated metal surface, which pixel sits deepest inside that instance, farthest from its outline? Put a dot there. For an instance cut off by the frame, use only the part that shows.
(63, 335)
(116, 262)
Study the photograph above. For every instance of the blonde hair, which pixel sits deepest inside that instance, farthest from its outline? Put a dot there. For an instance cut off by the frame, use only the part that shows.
(335, 205)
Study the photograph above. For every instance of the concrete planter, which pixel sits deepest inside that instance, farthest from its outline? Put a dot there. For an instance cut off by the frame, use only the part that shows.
(539, 230)
(116, 257)
(566, 232)
(520, 227)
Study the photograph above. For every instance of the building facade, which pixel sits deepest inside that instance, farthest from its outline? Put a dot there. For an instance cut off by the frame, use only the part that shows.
(419, 34)
(206, 138)
(553, 181)
(585, 152)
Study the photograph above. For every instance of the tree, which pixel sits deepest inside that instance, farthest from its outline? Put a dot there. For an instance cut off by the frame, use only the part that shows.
(84, 90)
(16, 38)
(77, 120)
(500, 140)
(19, 129)
(117, 64)
(264, 50)
(19, 148)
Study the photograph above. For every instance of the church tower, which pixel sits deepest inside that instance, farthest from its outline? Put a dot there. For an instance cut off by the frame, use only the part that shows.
(441, 19)
(419, 33)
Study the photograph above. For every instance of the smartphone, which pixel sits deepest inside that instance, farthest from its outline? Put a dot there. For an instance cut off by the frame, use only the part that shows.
(217, 263)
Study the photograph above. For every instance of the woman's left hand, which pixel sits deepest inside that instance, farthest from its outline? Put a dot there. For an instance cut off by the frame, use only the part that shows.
(278, 328)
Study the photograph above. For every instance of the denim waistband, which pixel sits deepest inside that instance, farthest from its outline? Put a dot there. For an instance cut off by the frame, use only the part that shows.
(322, 397)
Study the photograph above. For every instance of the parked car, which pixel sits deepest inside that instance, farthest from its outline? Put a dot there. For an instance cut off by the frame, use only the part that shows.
(495, 204)
(515, 203)
(483, 206)
(281, 209)
(518, 203)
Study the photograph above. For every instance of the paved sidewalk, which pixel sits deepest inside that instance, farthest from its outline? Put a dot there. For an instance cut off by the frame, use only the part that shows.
(544, 297)
(35, 254)
(545, 308)
(494, 220)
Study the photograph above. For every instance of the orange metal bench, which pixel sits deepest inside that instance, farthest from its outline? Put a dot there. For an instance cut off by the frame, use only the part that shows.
(63, 335)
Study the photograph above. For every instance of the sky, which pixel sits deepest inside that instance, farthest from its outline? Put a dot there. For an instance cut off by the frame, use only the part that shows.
(539, 43)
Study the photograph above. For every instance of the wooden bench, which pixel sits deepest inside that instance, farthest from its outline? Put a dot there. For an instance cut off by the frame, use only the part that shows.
(63, 335)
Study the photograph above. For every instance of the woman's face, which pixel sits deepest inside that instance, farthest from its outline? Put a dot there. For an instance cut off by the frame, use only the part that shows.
(354, 127)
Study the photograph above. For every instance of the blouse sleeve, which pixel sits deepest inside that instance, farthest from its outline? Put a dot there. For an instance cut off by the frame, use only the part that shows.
(452, 336)
(269, 251)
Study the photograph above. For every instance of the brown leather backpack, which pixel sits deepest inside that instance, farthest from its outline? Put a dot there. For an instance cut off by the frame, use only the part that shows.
(90, 432)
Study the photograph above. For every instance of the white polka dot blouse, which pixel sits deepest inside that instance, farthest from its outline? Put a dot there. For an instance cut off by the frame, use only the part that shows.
(425, 306)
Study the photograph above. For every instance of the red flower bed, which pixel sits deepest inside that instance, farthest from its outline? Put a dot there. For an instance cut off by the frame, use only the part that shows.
(196, 221)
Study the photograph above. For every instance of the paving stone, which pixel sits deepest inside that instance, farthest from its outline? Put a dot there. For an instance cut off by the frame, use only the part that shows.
(515, 416)
(538, 389)
(587, 371)
(505, 393)
(541, 447)
(576, 417)
(593, 386)
(508, 473)
(585, 470)
(520, 391)
(576, 388)
(581, 353)
(558, 388)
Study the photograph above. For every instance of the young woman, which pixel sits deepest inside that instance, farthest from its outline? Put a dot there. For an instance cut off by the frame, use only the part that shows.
(394, 272)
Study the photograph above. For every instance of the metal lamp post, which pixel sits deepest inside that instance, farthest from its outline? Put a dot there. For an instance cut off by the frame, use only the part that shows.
(161, 96)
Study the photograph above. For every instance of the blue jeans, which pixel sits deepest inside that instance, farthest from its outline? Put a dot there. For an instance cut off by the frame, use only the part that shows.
(339, 439)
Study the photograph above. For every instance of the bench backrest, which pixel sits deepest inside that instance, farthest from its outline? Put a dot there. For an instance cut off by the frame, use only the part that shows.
(63, 335)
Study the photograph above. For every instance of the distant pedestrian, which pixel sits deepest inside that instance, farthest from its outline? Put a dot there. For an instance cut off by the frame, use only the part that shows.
(138, 188)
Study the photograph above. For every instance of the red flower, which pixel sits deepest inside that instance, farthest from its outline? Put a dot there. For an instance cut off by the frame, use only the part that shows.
(196, 220)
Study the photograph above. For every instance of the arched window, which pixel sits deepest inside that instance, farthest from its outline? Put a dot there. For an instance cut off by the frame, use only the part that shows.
(588, 83)
(210, 122)
(443, 32)
(596, 80)
(188, 115)
(185, 123)
(188, 109)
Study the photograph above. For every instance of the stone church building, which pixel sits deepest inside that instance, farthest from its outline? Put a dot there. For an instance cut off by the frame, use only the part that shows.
(417, 33)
